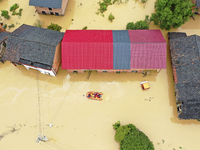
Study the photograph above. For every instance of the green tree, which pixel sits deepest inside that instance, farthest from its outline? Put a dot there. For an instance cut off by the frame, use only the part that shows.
(54, 27)
(130, 26)
(171, 13)
(111, 17)
(130, 138)
(142, 24)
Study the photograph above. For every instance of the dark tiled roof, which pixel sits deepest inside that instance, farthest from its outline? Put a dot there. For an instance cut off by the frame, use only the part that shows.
(46, 3)
(186, 61)
(33, 44)
(174, 35)
(3, 36)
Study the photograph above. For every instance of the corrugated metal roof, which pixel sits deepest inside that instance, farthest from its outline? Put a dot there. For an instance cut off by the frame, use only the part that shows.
(87, 49)
(148, 49)
(146, 36)
(148, 56)
(46, 3)
(121, 49)
(3, 36)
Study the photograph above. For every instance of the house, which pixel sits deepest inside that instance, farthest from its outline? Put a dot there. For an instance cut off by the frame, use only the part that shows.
(36, 48)
(197, 2)
(3, 41)
(50, 7)
(185, 57)
(113, 50)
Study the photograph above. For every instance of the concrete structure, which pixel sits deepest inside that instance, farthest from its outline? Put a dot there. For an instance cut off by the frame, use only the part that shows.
(185, 55)
(50, 7)
(35, 48)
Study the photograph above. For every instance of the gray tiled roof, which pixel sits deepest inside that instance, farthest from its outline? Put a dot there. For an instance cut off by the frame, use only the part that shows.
(174, 35)
(3, 36)
(46, 3)
(186, 60)
(33, 44)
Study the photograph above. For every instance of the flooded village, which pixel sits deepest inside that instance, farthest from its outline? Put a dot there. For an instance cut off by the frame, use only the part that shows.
(56, 106)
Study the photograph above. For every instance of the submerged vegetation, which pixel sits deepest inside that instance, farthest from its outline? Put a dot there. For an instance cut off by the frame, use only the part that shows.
(170, 14)
(13, 9)
(142, 24)
(39, 23)
(130, 138)
(4, 13)
(111, 17)
(84, 28)
(55, 27)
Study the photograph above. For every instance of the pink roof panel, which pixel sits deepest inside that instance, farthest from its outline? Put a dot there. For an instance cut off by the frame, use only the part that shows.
(87, 49)
(146, 36)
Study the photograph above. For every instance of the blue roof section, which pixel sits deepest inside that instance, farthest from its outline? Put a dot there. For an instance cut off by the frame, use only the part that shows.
(46, 3)
(121, 49)
(121, 36)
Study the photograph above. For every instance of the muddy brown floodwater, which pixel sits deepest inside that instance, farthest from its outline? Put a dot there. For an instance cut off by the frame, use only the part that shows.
(31, 101)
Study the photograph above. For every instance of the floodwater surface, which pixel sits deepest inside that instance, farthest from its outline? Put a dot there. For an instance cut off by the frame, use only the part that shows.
(31, 101)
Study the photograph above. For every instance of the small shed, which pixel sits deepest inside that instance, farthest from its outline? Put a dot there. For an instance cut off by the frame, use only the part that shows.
(148, 49)
(36, 48)
(50, 7)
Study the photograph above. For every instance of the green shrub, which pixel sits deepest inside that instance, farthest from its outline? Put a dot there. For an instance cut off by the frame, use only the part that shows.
(103, 5)
(14, 7)
(111, 17)
(39, 23)
(130, 26)
(4, 13)
(142, 24)
(84, 28)
(116, 125)
(5, 26)
(120, 1)
(170, 13)
(11, 26)
(143, 1)
(19, 13)
(54, 27)
(130, 138)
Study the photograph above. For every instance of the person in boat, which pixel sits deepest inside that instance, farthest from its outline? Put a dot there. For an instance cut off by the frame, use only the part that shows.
(88, 95)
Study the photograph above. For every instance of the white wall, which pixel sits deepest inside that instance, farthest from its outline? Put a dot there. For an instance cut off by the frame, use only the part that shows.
(44, 71)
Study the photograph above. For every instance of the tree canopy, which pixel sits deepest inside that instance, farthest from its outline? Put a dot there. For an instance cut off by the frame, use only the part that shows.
(171, 13)
(130, 138)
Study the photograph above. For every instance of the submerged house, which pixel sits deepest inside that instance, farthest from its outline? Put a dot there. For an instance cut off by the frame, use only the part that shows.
(50, 7)
(185, 55)
(35, 48)
(3, 41)
(113, 50)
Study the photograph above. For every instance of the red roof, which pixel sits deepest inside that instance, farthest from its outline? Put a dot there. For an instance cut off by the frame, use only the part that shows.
(148, 49)
(87, 49)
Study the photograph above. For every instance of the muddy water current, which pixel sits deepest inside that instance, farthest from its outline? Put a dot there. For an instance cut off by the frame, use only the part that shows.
(31, 101)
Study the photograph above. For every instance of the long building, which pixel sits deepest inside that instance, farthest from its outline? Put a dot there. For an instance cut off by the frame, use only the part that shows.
(113, 50)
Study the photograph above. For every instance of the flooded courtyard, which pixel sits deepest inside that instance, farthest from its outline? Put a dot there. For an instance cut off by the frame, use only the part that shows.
(31, 101)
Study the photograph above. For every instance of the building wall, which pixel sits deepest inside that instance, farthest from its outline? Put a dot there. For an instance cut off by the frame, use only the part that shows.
(2, 48)
(61, 11)
(57, 58)
(44, 71)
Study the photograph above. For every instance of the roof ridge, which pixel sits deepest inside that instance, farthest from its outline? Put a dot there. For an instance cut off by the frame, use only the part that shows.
(29, 40)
